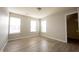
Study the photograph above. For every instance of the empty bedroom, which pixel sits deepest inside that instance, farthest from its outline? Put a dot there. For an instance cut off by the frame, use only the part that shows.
(39, 29)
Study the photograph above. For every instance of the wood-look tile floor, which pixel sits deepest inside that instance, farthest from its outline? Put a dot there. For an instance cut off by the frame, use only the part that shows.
(40, 44)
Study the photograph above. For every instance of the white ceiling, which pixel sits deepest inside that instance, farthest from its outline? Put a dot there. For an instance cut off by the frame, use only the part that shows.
(34, 12)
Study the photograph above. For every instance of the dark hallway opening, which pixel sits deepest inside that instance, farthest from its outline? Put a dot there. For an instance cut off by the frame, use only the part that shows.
(72, 28)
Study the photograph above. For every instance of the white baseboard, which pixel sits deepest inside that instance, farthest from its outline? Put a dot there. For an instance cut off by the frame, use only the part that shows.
(24, 37)
(50, 37)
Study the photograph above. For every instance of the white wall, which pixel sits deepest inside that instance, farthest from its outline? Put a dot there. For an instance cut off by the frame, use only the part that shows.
(25, 27)
(56, 25)
(4, 19)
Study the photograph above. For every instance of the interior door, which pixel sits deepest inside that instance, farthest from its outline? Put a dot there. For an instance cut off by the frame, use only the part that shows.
(72, 26)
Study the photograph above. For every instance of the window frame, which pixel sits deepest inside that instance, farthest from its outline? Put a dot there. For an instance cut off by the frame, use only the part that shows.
(42, 23)
(10, 25)
(32, 27)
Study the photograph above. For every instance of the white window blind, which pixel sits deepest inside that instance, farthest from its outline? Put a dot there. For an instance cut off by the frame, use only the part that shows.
(15, 25)
(33, 26)
(43, 26)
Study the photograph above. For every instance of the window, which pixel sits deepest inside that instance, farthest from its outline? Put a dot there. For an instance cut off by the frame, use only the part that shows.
(43, 26)
(33, 26)
(14, 25)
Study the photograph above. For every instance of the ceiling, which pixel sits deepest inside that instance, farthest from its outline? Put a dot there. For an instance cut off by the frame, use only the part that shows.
(34, 12)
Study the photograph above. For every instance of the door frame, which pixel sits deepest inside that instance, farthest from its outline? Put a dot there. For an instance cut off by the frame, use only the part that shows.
(66, 23)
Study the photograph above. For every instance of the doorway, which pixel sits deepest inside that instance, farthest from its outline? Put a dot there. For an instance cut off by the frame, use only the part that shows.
(72, 27)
